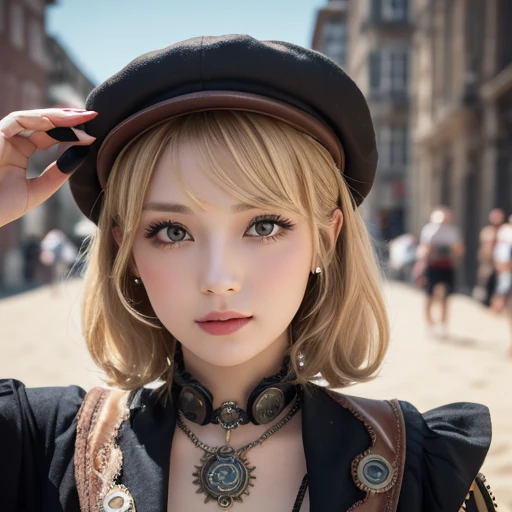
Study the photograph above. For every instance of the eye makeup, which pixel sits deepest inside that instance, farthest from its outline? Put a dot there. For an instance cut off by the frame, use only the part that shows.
(155, 228)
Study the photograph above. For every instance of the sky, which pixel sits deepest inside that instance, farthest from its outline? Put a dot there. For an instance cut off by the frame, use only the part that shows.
(102, 36)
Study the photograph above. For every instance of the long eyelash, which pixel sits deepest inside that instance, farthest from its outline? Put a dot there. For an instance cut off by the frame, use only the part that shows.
(276, 219)
(280, 221)
(154, 228)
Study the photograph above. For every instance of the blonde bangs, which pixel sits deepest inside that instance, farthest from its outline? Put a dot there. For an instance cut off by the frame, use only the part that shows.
(341, 330)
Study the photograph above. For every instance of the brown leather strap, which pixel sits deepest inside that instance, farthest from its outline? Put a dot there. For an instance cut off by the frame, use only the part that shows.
(98, 459)
(385, 424)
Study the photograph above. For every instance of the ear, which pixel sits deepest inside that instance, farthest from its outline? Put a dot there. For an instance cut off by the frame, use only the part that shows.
(117, 234)
(336, 224)
(118, 237)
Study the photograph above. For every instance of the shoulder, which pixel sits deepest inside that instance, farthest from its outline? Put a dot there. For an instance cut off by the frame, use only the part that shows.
(43, 413)
(37, 432)
(427, 230)
(445, 447)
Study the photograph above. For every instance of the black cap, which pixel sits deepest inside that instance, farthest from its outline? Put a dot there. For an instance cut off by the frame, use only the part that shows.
(232, 72)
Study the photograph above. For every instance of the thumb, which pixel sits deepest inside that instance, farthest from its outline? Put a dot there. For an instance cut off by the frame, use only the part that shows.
(55, 175)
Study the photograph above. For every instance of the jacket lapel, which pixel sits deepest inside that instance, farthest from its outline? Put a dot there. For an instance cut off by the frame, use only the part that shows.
(332, 438)
(145, 441)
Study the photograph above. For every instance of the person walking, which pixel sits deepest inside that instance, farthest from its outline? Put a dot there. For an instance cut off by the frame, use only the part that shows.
(440, 250)
(486, 274)
(502, 299)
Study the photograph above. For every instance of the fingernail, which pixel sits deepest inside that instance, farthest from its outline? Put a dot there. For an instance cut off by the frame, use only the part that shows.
(70, 112)
(72, 158)
(75, 134)
(63, 134)
(71, 109)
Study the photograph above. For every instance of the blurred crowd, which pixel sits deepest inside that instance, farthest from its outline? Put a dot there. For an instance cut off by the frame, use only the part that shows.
(49, 259)
(431, 263)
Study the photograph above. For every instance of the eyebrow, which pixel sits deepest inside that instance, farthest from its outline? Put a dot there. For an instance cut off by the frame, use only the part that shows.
(180, 208)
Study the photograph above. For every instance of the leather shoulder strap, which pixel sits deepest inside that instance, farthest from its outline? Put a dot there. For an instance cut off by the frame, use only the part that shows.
(98, 459)
(385, 424)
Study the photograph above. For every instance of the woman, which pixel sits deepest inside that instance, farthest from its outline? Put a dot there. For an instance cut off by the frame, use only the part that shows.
(224, 176)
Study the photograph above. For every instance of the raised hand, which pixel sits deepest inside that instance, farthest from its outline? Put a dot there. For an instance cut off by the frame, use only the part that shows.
(24, 132)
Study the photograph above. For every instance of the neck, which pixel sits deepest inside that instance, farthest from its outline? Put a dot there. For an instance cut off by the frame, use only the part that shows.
(235, 383)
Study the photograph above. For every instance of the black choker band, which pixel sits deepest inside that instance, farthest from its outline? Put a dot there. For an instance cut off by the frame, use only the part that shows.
(265, 403)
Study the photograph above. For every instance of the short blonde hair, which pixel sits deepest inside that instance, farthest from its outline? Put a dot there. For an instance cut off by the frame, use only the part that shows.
(341, 329)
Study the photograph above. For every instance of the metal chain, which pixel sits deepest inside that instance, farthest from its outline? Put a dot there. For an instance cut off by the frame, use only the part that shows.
(272, 430)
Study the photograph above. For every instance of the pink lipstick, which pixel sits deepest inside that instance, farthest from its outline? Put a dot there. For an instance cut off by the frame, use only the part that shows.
(223, 323)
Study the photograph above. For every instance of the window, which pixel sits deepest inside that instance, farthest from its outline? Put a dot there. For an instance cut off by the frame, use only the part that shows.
(334, 40)
(394, 10)
(17, 32)
(392, 142)
(388, 71)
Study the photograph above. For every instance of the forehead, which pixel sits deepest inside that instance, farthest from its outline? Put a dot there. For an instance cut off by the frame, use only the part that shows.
(183, 163)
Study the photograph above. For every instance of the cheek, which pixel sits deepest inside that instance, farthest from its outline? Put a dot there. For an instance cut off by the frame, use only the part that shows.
(160, 278)
(282, 273)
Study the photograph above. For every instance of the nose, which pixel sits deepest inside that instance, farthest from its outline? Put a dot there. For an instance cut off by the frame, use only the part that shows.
(220, 275)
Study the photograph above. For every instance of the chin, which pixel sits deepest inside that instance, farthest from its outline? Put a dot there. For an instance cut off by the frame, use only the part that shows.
(225, 351)
(227, 355)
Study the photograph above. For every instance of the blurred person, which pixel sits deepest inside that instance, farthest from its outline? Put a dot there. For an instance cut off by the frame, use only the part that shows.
(402, 256)
(486, 274)
(439, 253)
(58, 254)
(32, 264)
(502, 299)
(231, 267)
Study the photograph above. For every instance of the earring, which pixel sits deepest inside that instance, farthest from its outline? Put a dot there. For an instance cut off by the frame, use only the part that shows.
(137, 280)
(318, 270)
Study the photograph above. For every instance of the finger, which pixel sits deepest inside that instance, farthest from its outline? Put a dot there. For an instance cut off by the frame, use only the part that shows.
(18, 123)
(16, 153)
(75, 135)
(22, 123)
(72, 158)
(64, 117)
(54, 176)
(24, 147)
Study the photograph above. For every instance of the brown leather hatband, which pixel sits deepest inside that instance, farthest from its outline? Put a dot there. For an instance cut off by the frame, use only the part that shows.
(202, 101)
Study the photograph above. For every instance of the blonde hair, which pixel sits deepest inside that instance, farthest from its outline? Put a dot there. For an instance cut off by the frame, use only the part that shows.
(341, 329)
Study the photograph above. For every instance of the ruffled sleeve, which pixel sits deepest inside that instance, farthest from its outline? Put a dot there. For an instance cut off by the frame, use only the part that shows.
(37, 432)
(445, 449)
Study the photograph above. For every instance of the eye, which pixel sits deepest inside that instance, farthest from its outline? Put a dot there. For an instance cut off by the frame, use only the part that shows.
(175, 233)
(263, 228)
(167, 232)
(269, 227)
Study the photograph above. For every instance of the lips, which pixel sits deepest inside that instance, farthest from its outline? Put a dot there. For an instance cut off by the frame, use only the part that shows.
(223, 323)
(222, 316)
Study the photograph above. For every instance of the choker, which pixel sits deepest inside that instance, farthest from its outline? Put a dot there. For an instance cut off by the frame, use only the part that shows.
(265, 403)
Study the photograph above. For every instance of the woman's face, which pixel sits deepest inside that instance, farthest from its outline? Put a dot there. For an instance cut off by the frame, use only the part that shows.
(227, 258)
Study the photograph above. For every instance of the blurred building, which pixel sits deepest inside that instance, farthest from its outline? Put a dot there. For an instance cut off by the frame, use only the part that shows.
(462, 114)
(330, 35)
(379, 40)
(35, 73)
(374, 38)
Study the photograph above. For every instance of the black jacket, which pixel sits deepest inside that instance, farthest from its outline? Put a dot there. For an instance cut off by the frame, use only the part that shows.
(445, 449)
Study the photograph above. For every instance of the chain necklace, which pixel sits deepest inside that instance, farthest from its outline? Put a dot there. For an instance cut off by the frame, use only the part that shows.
(225, 474)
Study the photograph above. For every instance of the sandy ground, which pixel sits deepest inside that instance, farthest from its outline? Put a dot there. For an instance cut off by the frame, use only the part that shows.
(40, 344)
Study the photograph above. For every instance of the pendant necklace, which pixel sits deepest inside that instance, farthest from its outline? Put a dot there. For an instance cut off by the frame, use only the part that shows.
(225, 474)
